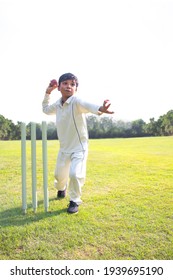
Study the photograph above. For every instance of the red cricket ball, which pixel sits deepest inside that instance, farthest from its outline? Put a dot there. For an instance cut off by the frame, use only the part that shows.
(53, 83)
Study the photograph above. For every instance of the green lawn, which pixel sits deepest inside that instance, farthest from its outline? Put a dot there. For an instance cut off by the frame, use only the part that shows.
(127, 210)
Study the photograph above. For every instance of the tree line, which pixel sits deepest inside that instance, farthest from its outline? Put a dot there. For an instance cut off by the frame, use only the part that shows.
(98, 127)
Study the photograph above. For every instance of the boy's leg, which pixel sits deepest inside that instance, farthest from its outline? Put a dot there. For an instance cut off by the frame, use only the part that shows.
(77, 176)
(62, 171)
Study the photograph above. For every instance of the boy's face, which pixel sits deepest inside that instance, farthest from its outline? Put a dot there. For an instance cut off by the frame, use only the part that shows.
(67, 88)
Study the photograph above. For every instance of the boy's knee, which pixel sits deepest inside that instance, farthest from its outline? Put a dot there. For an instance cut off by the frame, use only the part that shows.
(76, 175)
(73, 175)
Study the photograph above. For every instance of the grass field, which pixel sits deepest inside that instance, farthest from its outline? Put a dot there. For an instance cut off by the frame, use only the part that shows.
(127, 210)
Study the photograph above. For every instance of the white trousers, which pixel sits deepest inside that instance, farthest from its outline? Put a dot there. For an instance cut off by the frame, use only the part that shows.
(71, 168)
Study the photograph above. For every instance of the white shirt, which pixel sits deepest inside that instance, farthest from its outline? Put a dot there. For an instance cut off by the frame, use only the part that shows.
(71, 122)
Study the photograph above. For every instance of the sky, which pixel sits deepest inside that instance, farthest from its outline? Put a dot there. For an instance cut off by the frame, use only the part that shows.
(121, 50)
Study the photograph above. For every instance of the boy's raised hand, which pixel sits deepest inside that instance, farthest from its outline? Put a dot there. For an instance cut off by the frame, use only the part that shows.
(52, 85)
(105, 107)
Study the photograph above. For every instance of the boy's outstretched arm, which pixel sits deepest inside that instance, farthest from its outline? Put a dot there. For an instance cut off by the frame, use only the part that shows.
(105, 107)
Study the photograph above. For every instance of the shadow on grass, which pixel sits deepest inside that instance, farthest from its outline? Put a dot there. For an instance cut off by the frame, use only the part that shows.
(16, 217)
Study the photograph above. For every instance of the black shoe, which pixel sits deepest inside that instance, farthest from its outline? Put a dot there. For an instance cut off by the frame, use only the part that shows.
(72, 208)
(61, 194)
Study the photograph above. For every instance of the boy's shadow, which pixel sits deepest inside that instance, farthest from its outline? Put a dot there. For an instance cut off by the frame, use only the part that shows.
(16, 217)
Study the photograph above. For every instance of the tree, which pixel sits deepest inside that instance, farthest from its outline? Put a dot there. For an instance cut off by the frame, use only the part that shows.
(93, 126)
(152, 128)
(166, 123)
(138, 128)
(7, 129)
(51, 131)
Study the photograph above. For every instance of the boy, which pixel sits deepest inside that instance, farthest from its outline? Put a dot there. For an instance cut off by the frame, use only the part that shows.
(73, 136)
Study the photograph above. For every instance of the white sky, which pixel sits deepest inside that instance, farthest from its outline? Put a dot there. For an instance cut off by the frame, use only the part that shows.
(120, 50)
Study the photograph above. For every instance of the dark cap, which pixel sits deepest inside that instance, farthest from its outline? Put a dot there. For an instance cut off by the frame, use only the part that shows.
(68, 76)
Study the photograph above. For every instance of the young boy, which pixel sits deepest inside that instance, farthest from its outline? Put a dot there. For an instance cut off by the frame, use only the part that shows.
(73, 136)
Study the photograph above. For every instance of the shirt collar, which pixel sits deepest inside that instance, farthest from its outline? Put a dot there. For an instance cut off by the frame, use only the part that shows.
(67, 101)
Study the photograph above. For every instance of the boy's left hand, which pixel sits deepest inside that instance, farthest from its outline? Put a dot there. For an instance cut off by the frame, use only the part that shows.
(105, 107)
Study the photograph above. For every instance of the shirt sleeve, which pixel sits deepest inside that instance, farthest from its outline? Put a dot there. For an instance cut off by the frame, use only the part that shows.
(86, 107)
(48, 109)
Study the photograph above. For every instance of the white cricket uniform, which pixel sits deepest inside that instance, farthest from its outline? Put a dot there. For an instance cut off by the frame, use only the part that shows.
(73, 137)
